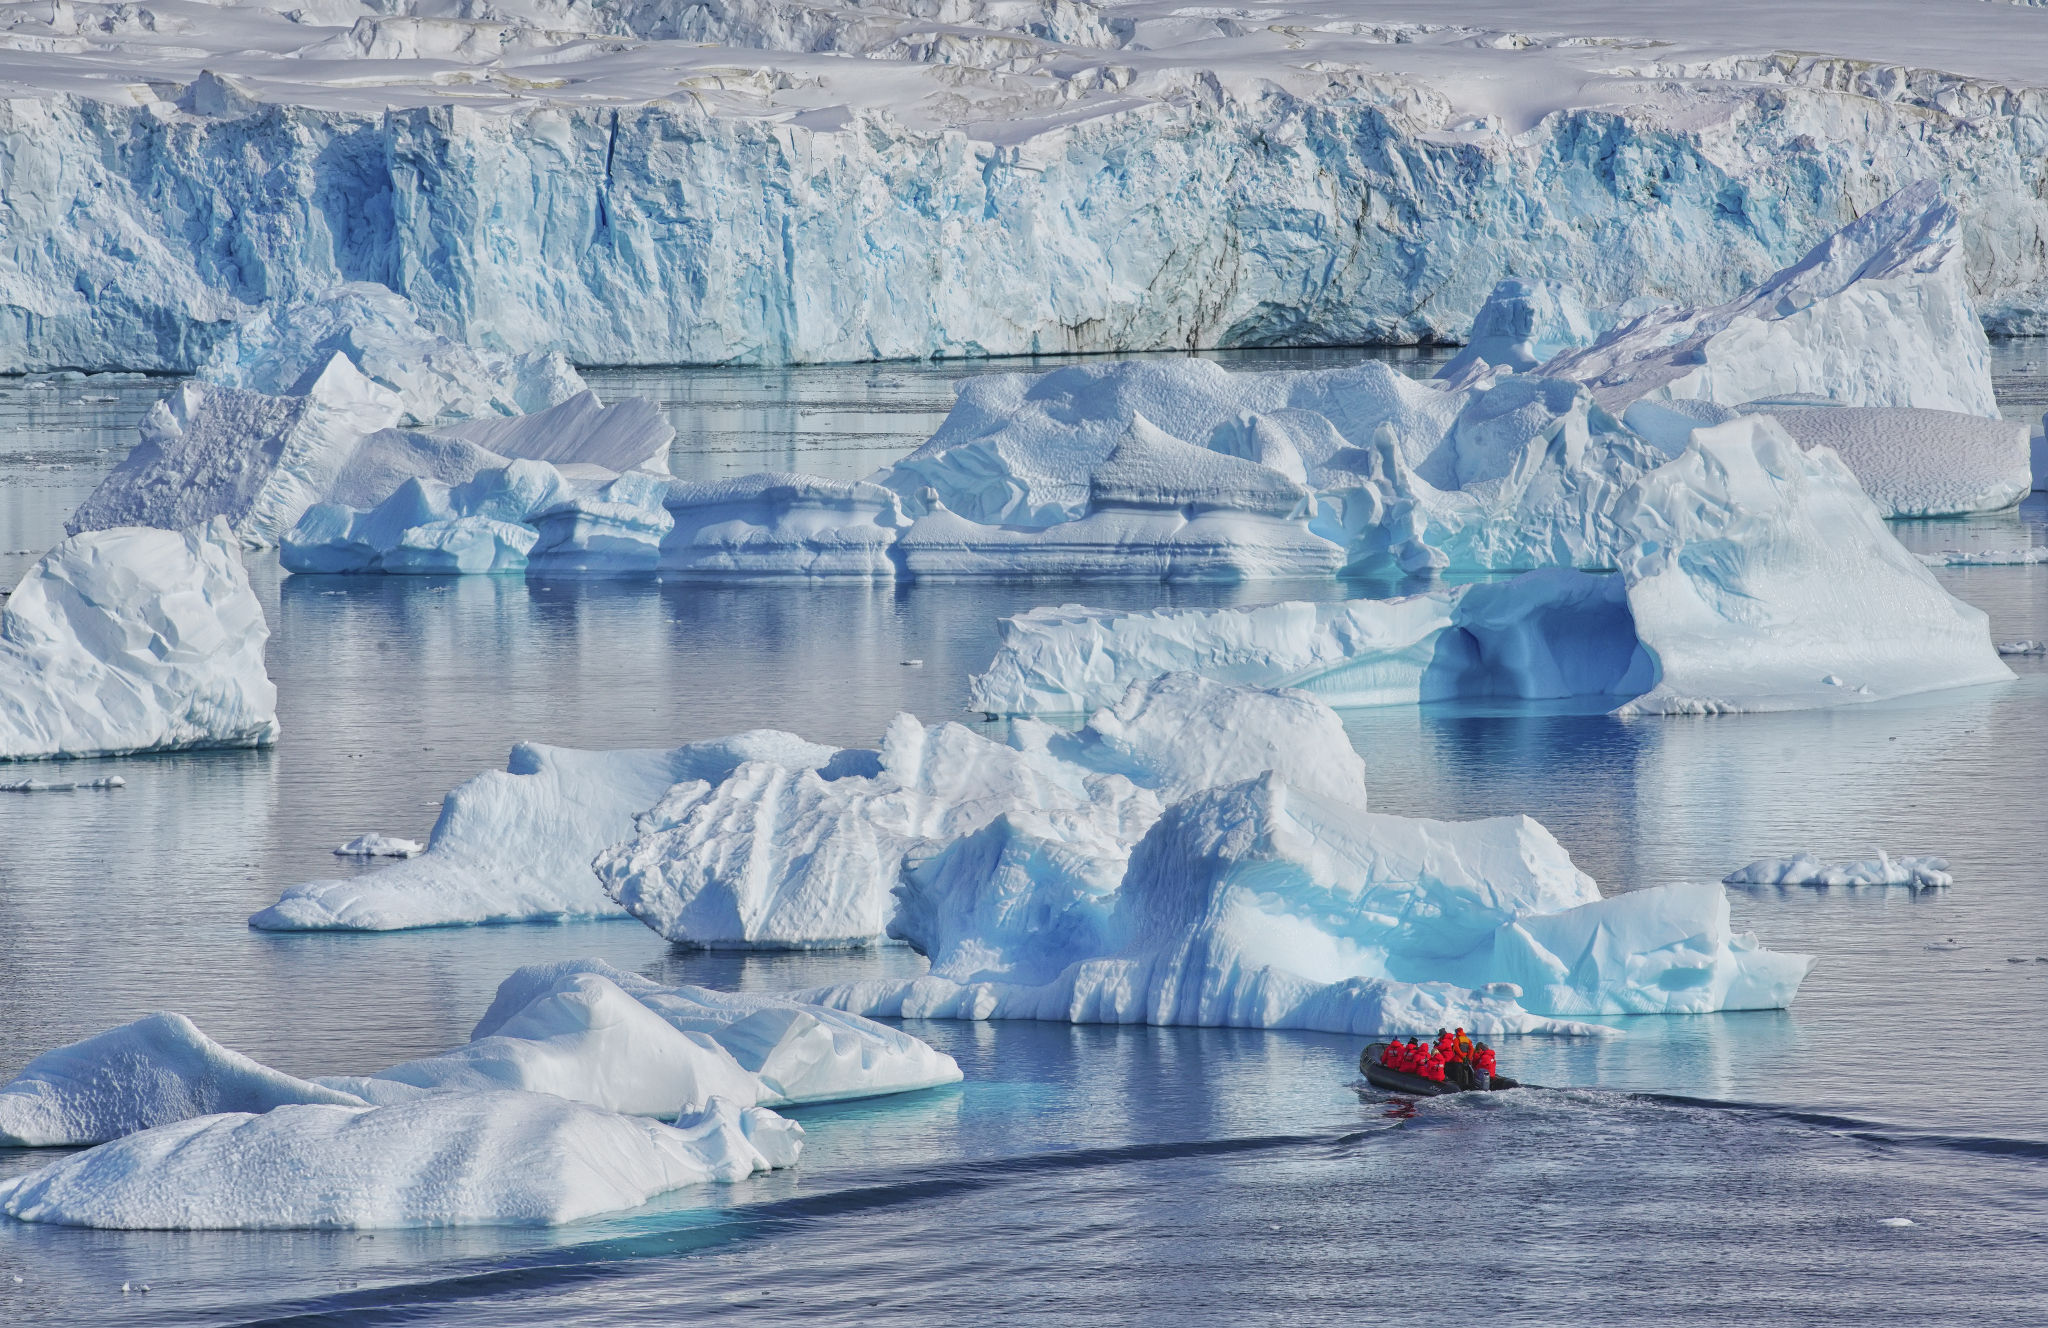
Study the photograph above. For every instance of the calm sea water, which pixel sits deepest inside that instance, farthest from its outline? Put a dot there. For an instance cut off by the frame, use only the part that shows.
(1729, 1168)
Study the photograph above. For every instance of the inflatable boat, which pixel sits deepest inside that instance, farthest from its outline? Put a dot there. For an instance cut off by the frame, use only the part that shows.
(1390, 1080)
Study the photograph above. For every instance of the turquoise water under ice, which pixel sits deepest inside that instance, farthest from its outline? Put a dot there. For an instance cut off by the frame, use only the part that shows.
(1721, 1169)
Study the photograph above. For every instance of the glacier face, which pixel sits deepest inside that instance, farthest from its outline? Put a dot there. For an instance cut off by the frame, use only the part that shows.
(852, 182)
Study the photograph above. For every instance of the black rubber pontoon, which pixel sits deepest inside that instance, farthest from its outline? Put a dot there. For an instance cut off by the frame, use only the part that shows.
(1390, 1080)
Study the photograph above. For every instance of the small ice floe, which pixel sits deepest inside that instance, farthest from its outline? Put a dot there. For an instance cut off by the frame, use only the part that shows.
(1986, 557)
(62, 785)
(1805, 869)
(379, 846)
(1895, 1221)
(913, 663)
(2023, 647)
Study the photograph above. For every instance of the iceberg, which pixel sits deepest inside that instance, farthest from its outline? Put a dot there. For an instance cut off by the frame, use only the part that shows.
(151, 1072)
(517, 846)
(784, 856)
(1522, 325)
(258, 460)
(1759, 576)
(1877, 314)
(1261, 905)
(781, 525)
(2037, 553)
(1806, 869)
(796, 1052)
(1762, 578)
(1920, 463)
(133, 640)
(375, 845)
(456, 1159)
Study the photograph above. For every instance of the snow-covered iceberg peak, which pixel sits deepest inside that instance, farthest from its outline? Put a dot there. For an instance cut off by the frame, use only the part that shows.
(1877, 314)
(1521, 325)
(1762, 578)
(133, 640)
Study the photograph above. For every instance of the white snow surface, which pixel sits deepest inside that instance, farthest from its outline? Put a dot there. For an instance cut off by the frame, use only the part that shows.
(1920, 463)
(456, 1159)
(132, 640)
(770, 181)
(1261, 905)
(154, 1071)
(517, 845)
(1757, 577)
(1806, 869)
(785, 856)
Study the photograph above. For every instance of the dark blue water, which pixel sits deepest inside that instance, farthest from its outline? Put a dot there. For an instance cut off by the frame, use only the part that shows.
(1079, 1174)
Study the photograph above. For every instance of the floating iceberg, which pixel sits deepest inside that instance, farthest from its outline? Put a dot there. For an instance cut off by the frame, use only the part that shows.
(1878, 314)
(61, 785)
(456, 1159)
(1760, 577)
(2026, 557)
(1265, 906)
(258, 460)
(152, 1072)
(1805, 869)
(374, 845)
(786, 856)
(134, 640)
(516, 846)
(796, 1052)
(781, 525)
(2028, 647)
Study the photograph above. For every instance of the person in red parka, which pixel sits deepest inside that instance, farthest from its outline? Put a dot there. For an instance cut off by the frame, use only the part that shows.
(1433, 1067)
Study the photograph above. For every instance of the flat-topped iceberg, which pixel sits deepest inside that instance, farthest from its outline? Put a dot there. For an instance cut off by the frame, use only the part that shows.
(787, 856)
(775, 524)
(1758, 577)
(516, 846)
(456, 1159)
(1806, 869)
(133, 640)
(1916, 463)
(1265, 906)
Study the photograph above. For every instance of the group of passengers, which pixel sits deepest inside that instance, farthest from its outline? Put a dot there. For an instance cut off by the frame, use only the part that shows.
(1453, 1056)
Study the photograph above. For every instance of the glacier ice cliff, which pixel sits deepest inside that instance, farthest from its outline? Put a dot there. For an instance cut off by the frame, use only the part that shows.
(133, 640)
(780, 181)
(1756, 576)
